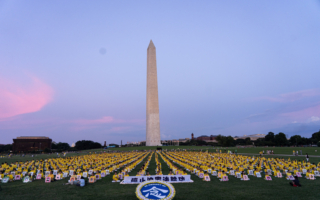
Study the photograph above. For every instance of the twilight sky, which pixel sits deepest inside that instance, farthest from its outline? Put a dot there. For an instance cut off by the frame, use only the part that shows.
(74, 70)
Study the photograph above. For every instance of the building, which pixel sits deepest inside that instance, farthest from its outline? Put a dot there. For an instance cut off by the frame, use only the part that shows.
(253, 137)
(184, 140)
(153, 121)
(173, 142)
(206, 138)
(24, 144)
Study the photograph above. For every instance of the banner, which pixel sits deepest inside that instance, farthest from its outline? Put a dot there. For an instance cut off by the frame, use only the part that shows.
(165, 178)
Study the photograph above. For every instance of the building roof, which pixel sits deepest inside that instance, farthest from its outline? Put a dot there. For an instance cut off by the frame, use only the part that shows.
(32, 137)
(203, 136)
(255, 135)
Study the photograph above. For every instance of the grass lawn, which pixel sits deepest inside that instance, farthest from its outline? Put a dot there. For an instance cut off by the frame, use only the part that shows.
(256, 188)
(280, 150)
(256, 150)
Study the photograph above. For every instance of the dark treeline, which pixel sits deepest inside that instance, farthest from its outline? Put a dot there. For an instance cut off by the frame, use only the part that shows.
(5, 148)
(87, 144)
(59, 147)
(270, 139)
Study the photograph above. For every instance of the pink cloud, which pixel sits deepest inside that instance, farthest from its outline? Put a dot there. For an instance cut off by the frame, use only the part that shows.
(304, 114)
(17, 99)
(83, 124)
(292, 96)
(103, 120)
(109, 130)
(120, 129)
(106, 120)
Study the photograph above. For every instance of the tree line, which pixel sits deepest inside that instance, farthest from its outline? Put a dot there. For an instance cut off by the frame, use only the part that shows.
(60, 147)
(270, 139)
(79, 145)
(5, 148)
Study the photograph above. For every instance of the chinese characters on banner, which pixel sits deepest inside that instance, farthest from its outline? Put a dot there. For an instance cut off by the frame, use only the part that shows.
(165, 178)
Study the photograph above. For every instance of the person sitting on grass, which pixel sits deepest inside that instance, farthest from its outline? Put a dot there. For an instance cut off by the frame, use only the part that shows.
(115, 177)
(295, 171)
(93, 177)
(59, 173)
(206, 177)
(98, 175)
(200, 172)
(51, 176)
(237, 171)
(308, 173)
(275, 172)
(290, 168)
(219, 174)
(241, 169)
(242, 173)
(313, 169)
(295, 182)
(41, 172)
(288, 174)
(222, 175)
(180, 171)
(79, 172)
(255, 172)
(10, 176)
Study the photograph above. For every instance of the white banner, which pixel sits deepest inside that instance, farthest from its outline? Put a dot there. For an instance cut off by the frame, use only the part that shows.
(165, 178)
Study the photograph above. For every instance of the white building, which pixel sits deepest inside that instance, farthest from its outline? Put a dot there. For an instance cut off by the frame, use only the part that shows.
(252, 137)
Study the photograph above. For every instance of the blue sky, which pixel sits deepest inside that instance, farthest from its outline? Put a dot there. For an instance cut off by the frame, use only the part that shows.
(74, 70)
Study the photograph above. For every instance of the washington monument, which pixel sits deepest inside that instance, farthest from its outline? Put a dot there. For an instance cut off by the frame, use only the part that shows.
(153, 122)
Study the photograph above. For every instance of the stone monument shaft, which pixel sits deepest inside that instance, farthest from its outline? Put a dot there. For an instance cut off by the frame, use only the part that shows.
(153, 122)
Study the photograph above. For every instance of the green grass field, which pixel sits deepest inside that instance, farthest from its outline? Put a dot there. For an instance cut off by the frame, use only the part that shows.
(104, 189)
(277, 150)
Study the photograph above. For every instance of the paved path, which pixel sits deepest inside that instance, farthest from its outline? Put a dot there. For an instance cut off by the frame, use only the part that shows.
(311, 156)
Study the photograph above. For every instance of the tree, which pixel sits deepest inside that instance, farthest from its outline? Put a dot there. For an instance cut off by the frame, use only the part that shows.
(260, 142)
(316, 136)
(47, 150)
(220, 139)
(5, 148)
(269, 137)
(248, 141)
(61, 146)
(87, 144)
(280, 139)
(295, 140)
(240, 142)
(305, 141)
(225, 141)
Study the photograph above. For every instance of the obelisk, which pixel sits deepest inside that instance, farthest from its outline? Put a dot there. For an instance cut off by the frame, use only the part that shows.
(153, 122)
